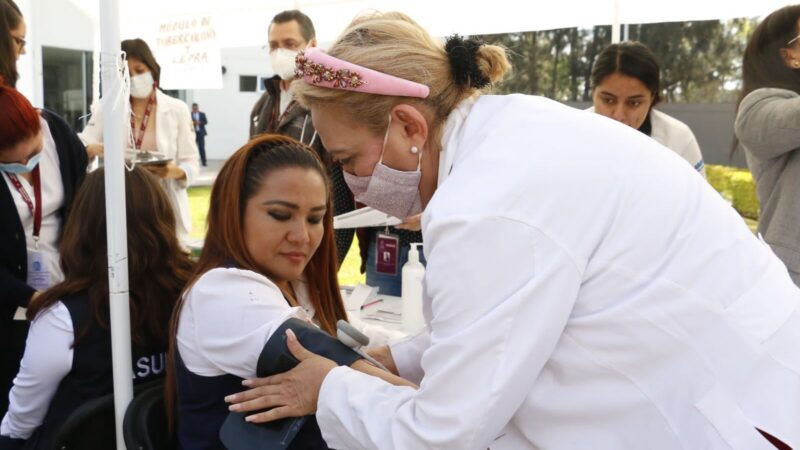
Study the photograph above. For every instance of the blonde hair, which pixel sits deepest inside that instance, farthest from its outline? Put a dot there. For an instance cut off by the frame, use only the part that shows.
(394, 44)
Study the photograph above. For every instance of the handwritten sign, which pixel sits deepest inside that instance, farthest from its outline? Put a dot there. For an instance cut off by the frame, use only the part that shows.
(188, 52)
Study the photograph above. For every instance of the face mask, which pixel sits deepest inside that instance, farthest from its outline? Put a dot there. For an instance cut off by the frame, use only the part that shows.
(388, 190)
(282, 61)
(142, 85)
(19, 169)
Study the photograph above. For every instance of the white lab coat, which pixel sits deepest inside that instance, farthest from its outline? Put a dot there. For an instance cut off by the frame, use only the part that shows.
(676, 136)
(585, 289)
(175, 139)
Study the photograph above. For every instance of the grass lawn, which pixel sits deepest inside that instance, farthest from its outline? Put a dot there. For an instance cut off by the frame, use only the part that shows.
(198, 203)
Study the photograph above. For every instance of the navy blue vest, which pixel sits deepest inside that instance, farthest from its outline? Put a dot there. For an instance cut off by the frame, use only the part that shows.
(202, 411)
(91, 374)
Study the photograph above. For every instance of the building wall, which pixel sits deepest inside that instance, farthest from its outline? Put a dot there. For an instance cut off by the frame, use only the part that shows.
(712, 125)
(47, 22)
(228, 109)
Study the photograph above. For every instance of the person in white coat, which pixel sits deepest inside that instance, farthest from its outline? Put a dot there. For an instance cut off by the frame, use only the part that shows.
(584, 290)
(162, 125)
(626, 80)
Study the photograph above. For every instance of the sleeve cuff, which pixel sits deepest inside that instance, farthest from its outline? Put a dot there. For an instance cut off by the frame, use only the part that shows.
(189, 176)
(407, 355)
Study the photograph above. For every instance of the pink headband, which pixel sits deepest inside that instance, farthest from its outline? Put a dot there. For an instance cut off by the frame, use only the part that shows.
(317, 67)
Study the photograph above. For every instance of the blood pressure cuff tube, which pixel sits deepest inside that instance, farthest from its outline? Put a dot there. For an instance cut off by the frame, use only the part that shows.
(276, 358)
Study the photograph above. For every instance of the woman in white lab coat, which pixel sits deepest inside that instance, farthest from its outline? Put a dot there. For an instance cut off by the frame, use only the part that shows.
(583, 290)
(167, 130)
(626, 86)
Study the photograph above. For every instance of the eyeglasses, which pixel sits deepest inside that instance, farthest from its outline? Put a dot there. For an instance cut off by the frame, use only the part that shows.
(793, 40)
(21, 42)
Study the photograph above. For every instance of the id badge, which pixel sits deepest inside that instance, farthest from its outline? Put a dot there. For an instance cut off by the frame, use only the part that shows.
(38, 271)
(387, 258)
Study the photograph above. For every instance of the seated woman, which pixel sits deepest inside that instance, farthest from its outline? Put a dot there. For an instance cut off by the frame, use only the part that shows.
(269, 256)
(626, 86)
(67, 359)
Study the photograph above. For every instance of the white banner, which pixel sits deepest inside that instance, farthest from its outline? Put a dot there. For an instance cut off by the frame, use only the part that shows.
(187, 49)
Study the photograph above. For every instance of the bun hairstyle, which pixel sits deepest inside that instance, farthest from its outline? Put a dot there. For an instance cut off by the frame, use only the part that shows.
(394, 44)
(19, 120)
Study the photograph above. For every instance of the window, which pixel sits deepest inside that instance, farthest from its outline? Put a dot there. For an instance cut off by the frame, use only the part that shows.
(248, 83)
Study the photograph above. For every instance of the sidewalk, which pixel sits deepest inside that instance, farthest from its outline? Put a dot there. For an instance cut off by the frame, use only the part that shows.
(208, 174)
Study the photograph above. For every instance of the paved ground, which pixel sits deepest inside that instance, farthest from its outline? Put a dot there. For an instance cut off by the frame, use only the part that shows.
(208, 174)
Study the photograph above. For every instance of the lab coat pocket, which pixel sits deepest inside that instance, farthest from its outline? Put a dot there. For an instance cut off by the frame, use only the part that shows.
(729, 421)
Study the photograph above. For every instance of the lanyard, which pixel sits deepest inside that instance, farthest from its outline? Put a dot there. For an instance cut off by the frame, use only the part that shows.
(36, 208)
(143, 126)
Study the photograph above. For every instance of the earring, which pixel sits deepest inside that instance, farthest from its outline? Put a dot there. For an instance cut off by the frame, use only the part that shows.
(414, 150)
(796, 64)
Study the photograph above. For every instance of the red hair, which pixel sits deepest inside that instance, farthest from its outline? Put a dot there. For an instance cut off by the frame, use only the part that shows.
(19, 120)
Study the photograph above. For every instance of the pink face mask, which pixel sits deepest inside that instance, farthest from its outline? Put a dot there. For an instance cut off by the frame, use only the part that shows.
(388, 190)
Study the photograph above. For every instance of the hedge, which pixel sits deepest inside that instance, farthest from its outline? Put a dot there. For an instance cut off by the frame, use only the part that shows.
(737, 186)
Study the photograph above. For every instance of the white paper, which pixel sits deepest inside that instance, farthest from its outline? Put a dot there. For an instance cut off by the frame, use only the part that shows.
(360, 294)
(364, 217)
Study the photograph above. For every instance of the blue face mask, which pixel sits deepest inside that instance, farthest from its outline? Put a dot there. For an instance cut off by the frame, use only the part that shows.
(19, 169)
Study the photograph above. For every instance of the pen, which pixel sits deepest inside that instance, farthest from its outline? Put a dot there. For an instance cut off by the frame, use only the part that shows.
(371, 303)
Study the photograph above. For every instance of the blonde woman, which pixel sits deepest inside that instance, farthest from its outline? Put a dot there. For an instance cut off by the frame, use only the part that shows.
(583, 290)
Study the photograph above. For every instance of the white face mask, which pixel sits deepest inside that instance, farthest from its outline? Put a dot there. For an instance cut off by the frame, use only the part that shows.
(282, 61)
(141, 85)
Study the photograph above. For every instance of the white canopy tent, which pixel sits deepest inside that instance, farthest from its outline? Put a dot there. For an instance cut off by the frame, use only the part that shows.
(241, 23)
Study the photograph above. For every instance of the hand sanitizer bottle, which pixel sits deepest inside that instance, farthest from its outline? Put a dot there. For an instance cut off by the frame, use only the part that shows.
(412, 276)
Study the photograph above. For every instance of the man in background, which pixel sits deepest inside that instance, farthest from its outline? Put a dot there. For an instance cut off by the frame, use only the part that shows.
(199, 121)
(289, 33)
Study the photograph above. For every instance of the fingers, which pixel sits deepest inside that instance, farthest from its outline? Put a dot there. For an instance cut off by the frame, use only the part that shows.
(258, 387)
(262, 402)
(280, 412)
(295, 347)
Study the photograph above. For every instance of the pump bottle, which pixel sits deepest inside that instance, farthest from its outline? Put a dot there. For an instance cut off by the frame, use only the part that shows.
(412, 276)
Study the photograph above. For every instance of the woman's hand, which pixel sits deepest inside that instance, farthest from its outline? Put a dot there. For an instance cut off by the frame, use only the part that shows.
(168, 171)
(411, 223)
(95, 150)
(384, 356)
(290, 394)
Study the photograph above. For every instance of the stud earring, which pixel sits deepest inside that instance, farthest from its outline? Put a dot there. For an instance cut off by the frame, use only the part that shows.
(414, 150)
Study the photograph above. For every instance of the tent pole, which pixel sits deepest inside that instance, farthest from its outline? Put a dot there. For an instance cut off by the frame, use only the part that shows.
(615, 25)
(116, 229)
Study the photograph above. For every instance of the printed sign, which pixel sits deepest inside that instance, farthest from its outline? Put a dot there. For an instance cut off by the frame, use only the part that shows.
(188, 52)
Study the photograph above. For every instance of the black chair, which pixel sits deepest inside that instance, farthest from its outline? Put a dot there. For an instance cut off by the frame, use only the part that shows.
(89, 427)
(145, 426)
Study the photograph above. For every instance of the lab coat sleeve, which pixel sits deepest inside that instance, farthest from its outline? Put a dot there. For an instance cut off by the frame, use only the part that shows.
(93, 131)
(47, 360)
(501, 294)
(407, 355)
(187, 156)
(692, 150)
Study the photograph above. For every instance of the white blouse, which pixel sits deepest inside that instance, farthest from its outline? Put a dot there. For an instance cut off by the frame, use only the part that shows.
(52, 201)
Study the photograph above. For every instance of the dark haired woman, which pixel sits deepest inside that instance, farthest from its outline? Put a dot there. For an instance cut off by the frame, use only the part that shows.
(269, 256)
(768, 127)
(162, 125)
(626, 83)
(67, 360)
(42, 164)
(12, 40)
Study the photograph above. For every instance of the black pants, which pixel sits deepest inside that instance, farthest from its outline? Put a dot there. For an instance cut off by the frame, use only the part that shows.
(201, 146)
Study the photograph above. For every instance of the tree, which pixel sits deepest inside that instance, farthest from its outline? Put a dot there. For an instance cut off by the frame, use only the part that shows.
(700, 61)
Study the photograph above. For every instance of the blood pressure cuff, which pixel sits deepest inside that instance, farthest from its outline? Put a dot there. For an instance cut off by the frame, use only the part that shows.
(276, 358)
